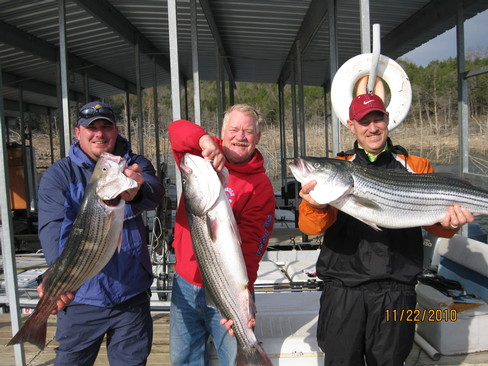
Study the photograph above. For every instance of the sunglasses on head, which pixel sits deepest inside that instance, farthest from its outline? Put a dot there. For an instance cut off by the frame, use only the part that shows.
(92, 111)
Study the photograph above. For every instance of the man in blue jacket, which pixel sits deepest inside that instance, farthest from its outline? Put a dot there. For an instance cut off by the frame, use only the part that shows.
(115, 302)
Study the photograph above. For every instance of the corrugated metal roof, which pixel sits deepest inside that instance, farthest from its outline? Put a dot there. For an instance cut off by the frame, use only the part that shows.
(257, 37)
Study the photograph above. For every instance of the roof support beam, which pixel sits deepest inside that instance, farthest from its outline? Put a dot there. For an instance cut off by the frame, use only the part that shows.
(39, 87)
(112, 18)
(14, 106)
(430, 16)
(207, 10)
(40, 48)
(313, 20)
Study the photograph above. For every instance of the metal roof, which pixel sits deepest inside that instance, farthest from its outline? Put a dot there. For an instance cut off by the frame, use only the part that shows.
(256, 39)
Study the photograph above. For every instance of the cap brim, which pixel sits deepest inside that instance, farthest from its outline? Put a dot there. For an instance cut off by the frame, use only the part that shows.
(360, 115)
(86, 121)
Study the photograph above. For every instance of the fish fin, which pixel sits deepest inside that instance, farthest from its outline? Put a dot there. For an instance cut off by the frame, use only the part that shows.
(453, 176)
(223, 176)
(32, 331)
(235, 229)
(374, 226)
(366, 203)
(209, 301)
(212, 227)
(332, 193)
(252, 305)
(252, 355)
(119, 244)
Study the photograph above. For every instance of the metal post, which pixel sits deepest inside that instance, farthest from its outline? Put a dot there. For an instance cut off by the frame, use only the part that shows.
(140, 114)
(462, 100)
(301, 99)
(156, 118)
(63, 63)
(333, 59)
(281, 101)
(127, 115)
(174, 66)
(294, 111)
(185, 96)
(220, 110)
(326, 122)
(24, 156)
(195, 66)
(86, 87)
(51, 142)
(365, 26)
(175, 77)
(7, 240)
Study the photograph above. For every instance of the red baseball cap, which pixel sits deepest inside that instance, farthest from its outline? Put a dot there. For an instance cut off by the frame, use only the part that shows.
(364, 104)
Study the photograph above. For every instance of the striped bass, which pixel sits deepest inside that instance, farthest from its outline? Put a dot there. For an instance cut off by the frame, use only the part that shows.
(217, 247)
(384, 197)
(96, 234)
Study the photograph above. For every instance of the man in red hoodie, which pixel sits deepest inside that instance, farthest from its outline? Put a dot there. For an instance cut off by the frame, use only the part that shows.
(251, 197)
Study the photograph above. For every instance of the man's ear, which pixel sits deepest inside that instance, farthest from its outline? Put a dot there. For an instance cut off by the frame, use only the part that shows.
(350, 124)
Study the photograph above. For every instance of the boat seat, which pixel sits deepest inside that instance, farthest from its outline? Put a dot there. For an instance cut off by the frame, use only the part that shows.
(457, 325)
(286, 327)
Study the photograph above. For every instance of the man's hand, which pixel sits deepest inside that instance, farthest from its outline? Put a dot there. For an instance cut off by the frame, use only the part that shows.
(456, 216)
(133, 171)
(212, 152)
(305, 194)
(62, 302)
(229, 323)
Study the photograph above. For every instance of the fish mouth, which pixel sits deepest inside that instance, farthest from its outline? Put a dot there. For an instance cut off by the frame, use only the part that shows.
(114, 202)
(299, 168)
(185, 169)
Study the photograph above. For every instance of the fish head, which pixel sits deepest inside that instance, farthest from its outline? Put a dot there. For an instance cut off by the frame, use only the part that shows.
(332, 177)
(109, 178)
(201, 184)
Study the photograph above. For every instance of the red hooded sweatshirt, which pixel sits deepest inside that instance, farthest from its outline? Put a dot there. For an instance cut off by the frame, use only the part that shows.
(251, 198)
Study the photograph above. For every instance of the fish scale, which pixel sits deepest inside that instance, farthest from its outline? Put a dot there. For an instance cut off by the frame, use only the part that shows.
(387, 198)
(216, 278)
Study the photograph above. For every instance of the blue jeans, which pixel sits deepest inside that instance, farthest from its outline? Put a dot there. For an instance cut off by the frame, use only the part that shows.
(128, 327)
(191, 324)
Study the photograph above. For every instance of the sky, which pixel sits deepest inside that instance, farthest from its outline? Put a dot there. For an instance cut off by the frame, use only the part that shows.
(444, 46)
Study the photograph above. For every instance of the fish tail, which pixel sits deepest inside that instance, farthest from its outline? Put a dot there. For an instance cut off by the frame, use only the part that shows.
(252, 356)
(35, 328)
(34, 331)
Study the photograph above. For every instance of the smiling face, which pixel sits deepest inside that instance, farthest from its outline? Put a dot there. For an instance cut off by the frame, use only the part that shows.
(371, 131)
(99, 136)
(239, 137)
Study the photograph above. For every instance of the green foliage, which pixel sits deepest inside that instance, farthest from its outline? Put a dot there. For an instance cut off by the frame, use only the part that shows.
(434, 103)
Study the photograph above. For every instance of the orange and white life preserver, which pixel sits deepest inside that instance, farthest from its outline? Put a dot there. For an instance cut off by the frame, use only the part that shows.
(390, 71)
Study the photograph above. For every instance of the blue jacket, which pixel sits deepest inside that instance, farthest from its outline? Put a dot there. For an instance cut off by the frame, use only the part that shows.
(61, 191)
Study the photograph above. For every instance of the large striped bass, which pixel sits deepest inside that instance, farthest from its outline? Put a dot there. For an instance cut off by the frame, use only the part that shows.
(217, 247)
(387, 198)
(95, 236)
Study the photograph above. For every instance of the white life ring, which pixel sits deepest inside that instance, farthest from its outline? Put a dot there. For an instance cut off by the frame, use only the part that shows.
(391, 72)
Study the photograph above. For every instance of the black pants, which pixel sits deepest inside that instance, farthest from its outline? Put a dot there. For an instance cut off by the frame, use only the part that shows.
(359, 324)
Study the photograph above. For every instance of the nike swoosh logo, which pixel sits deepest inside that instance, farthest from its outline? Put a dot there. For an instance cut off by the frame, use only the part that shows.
(369, 101)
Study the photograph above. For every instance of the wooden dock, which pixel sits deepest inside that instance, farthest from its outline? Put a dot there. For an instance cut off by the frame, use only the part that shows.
(34, 357)
(160, 351)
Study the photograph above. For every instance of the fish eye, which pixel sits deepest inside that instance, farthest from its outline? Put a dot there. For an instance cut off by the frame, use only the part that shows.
(104, 169)
(316, 165)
